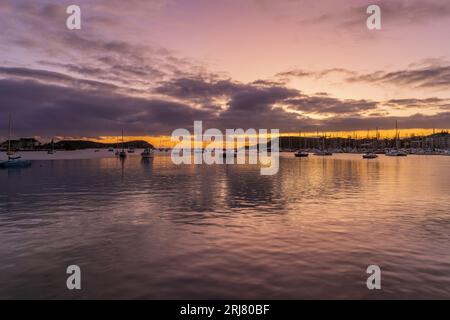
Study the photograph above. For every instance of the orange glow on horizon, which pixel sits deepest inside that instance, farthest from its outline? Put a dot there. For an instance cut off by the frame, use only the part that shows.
(164, 141)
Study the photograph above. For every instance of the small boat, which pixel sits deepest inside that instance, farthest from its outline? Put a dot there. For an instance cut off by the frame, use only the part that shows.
(301, 154)
(97, 150)
(323, 153)
(122, 154)
(147, 154)
(13, 161)
(131, 150)
(111, 150)
(370, 155)
(396, 153)
(52, 150)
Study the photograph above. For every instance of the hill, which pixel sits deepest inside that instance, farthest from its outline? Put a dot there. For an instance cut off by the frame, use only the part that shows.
(84, 144)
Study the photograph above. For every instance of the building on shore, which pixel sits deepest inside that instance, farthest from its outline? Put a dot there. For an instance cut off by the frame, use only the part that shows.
(25, 144)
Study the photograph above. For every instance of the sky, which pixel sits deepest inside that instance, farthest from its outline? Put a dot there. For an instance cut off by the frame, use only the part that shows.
(152, 66)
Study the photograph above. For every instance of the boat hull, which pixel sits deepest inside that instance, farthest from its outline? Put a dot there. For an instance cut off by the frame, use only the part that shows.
(15, 164)
(301, 155)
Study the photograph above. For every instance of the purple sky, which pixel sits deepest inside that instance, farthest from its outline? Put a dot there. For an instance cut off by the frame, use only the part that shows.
(152, 66)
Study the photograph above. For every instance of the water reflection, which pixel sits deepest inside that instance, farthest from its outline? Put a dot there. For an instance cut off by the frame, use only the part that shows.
(150, 229)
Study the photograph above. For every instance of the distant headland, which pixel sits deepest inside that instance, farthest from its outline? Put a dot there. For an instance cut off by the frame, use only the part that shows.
(31, 144)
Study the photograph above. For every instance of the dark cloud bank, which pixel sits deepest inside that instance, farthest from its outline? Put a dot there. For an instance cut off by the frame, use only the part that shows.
(49, 104)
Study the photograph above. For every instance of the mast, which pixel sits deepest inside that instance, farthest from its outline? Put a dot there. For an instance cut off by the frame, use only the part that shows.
(9, 135)
(396, 134)
(122, 142)
(323, 141)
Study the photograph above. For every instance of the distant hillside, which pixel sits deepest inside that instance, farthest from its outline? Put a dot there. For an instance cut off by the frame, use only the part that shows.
(83, 144)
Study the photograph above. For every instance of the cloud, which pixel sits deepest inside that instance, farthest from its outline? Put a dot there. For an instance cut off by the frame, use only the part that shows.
(394, 13)
(47, 109)
(54, 77)
(329, 105)
(425, 77)
(50, 110)
(440, 120)
(437, 103)
(430, 73)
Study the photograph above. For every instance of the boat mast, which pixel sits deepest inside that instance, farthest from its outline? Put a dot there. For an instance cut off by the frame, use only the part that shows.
(122, 142)
(396, 134)
(9, 135)
(323, 141)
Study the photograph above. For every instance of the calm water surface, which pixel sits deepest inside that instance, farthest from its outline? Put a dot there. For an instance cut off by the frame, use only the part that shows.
(155, 230)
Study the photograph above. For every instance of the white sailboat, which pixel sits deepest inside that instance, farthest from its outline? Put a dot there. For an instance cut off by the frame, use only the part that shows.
(323, 152)
(396, 152)
(13, 161)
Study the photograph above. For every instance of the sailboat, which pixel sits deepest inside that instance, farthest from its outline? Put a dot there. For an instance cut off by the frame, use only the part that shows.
(117, 147)
(122, 153)
(323, 152)
(147, 154)
(370, 155)
(396, 152)
(13, 160)
(299, 153)
(52, 150)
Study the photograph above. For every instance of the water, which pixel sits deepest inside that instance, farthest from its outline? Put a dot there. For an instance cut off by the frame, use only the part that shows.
(156, 230)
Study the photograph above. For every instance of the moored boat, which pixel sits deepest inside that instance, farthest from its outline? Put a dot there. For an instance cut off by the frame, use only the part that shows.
(370, 155)
(52, 150)
(14, 161)
(396, 153)
(301, 154)
(147, 154)
(122, 154)
(323, 153)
